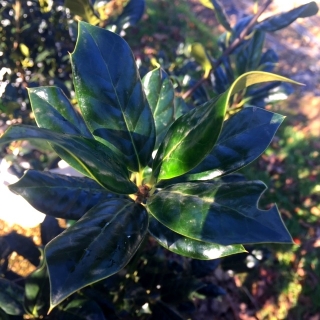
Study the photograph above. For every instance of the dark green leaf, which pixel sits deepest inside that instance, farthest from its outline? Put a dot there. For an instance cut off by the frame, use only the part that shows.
(98, 245)
(160, 95)
(79, 309)
(86, 155)
(221, 14)
(223, 213)
(110, 95)
(49, 229)
(83, 9)
(243, 138)
(248, 58)
(282, 20)
(11, 298)
(53, 110)
(37, 291)
(189, 139)
(23, 246)
(59, 195)
(180, 107)
(131, 14)
(189, 247)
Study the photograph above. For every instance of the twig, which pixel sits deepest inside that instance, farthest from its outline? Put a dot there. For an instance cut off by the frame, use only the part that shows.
(231, 47)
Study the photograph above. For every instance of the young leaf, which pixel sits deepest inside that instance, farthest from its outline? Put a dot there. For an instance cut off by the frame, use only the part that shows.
(91, 157)
(198, 52)
(98, 245)
(53, 110)
(11, 298)
(110, 95)
(222, 213)
(160, 95)
(192, 136)
(188, 247)
(243, 138)
(83, 9)
(37, 291)
(282, 20)
(58, 195)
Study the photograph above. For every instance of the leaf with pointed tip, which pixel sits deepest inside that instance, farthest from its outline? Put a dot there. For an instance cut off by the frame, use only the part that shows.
(92, 158)
(223, 213)
(11, 298)
(60, 196)
(83, 9)
(110, 95)
(102, 242)
(188, 247)
(160, 95)
(221, 14)
(53, 110)
(243, 138)
(192, 136)
(282, 20)
(180, 107)
(37, 291)
(189, 139)
(131, 14)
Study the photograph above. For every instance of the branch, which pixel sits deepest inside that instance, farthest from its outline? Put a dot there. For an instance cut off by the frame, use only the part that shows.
(236, 42)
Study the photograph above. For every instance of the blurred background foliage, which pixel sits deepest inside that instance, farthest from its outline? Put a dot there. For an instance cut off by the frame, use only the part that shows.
(271, 281)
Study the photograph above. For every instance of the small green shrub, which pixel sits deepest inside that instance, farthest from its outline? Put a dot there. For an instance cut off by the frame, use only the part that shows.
(150, 166)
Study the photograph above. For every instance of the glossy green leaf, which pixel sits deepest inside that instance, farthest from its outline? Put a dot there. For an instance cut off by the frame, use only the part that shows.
(221, 14)
(11, 298)
(188, 247)
(59, 195)
(160, 95)
(282, 20)
(86, 155)
(110, 95)
(53, 110)
(83, 9)
(189, 139)
(192, 136)
(37, 291)
(98, 245)
(243, 138)
(223, 213)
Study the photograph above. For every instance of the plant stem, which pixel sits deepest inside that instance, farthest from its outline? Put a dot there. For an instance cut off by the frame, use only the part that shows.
(230, 49)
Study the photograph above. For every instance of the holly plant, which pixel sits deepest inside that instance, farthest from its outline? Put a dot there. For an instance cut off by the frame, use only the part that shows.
(150, 166)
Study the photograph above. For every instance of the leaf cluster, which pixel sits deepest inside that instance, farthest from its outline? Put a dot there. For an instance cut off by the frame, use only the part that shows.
(150, 165)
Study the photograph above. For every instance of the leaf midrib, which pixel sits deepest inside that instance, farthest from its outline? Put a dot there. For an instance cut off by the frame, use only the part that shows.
(116, 93)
